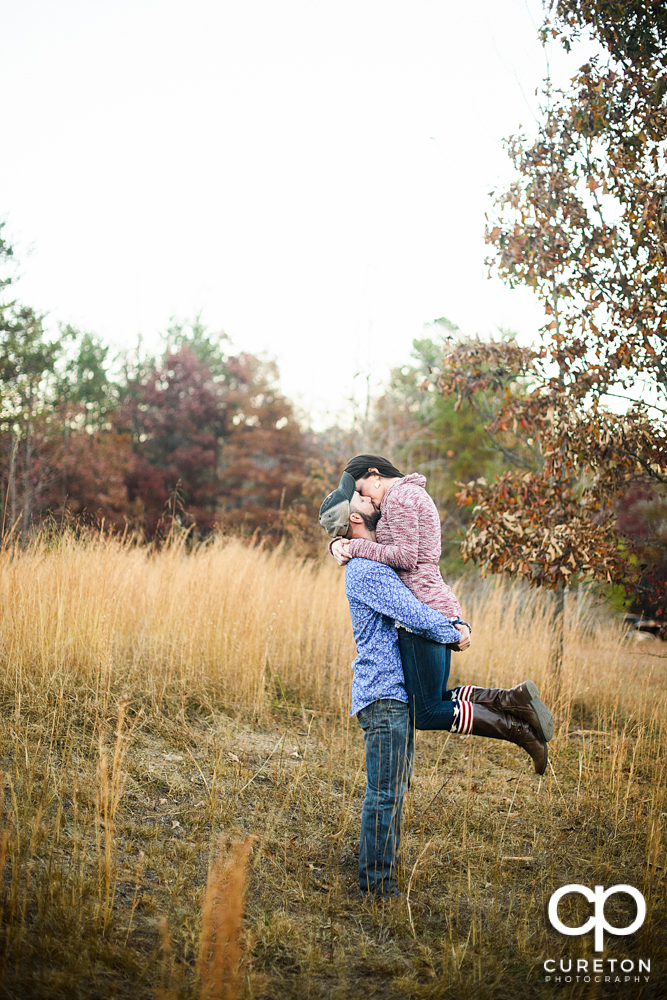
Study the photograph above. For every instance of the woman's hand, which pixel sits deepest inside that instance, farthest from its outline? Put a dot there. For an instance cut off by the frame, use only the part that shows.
(464, 641)
(339, 551)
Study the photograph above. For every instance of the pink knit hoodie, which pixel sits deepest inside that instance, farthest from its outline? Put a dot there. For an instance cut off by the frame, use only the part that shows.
(408, 539)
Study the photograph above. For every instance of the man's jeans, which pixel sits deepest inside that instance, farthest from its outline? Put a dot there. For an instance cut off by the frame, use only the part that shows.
(389, 739)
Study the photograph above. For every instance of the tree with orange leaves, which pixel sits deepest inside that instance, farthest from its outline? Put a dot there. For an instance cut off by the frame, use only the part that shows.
(584, 225)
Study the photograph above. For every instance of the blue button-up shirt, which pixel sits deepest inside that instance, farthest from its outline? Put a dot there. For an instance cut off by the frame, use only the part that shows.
(378, 600)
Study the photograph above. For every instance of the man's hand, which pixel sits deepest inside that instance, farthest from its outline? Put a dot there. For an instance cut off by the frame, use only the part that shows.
(339, 551)
(464, 641)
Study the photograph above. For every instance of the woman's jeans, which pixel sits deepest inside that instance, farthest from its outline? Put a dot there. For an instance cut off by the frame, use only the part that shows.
(426, 672)
(389, 739)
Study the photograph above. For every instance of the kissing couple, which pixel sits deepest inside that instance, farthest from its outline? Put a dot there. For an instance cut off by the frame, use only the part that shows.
(385, 529)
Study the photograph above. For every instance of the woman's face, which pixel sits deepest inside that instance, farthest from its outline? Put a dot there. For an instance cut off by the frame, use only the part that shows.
(373, 487)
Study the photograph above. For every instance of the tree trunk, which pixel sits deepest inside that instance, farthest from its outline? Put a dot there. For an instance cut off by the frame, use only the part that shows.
(11, 486)
(557, 632)
(27, 497)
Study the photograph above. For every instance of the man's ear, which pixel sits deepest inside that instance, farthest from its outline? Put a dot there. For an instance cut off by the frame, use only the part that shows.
(356, 517)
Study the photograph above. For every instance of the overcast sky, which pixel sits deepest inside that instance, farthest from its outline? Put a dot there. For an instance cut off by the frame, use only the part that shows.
(312, 176)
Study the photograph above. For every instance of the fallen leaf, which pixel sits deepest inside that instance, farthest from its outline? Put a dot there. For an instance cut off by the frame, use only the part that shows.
(232, 756)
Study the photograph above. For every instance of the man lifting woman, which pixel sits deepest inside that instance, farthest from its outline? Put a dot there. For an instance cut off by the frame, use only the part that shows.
(404, 630)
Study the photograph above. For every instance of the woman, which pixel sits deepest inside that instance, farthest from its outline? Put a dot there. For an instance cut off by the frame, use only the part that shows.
(408, 540)
(408, 531)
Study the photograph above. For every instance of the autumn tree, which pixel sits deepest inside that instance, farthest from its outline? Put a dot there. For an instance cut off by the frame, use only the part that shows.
(584, 225)
(266, 455)
(212, 434)
(176, 416)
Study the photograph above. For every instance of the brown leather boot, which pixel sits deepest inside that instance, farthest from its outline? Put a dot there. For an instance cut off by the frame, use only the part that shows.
(502, 726)
(521, 701)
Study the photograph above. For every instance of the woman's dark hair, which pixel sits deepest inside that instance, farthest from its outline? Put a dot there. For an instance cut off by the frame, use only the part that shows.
(358, 467)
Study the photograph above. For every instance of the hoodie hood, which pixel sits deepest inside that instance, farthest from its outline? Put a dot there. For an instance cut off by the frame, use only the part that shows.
(415, 478)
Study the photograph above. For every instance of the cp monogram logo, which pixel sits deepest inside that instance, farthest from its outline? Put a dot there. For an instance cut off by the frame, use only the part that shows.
(598, 897)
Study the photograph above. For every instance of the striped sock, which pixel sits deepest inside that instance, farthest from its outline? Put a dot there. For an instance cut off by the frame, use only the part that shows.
(464, 692)
(463, 716)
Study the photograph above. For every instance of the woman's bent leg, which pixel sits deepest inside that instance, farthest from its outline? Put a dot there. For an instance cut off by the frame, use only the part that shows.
(426, 671)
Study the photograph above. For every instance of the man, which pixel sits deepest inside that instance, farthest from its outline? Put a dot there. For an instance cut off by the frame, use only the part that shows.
(378, 603)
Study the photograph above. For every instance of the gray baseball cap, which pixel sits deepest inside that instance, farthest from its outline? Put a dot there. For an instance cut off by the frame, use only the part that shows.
(335, 509)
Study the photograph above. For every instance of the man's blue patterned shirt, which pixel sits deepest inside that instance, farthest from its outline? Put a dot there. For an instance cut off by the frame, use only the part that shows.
(378, 600)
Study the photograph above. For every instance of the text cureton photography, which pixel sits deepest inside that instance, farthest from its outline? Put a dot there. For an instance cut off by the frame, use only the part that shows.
(597, 970)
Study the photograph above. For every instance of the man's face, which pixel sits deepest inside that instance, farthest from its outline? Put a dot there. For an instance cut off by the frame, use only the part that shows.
(367, 490)
(367, 510)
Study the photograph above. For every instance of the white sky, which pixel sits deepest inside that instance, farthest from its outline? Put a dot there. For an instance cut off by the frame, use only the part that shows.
(312, 175)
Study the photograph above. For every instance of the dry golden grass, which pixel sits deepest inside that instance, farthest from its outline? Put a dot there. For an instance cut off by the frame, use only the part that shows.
(220, 952)
(152, 702)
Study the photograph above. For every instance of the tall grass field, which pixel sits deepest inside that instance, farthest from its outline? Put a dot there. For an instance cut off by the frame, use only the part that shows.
(181, 790)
